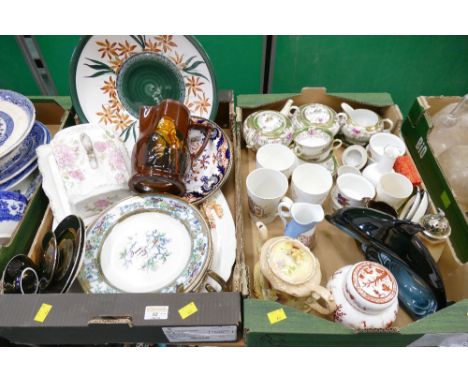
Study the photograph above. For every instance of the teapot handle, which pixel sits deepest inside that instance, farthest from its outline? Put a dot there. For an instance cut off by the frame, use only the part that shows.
(320, 293)
(342, 119)
(207, 129)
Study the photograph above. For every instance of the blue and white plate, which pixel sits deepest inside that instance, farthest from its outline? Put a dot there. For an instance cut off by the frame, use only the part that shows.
(12, 207)
(25, 154)
(17, 116)
(12, 183)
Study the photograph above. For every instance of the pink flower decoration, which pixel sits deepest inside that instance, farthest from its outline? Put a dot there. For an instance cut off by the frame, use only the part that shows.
(64, 155)
(77, 174)
(100, 146)
(102, 203)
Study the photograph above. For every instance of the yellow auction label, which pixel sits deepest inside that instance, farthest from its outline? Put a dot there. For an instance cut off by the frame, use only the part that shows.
(42, 313)
(188, 310)
(276, 316)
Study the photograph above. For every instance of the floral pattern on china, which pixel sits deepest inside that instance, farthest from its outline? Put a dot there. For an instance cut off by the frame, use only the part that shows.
(212, 168)
(173, 250)
(85, 168)
(317, 115)
(12, 206)
(269, 126)
(98, 60)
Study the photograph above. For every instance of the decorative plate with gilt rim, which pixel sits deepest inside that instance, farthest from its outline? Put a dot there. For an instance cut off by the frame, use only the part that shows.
(112, 76)
(151, 243)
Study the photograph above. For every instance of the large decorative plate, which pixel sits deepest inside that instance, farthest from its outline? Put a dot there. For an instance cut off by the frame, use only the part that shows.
(151, 243)
(223, 234)
(112, 76)
(25, 154)
(212, 168)
(17, 116)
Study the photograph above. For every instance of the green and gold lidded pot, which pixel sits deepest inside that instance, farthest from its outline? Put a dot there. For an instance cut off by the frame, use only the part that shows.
(318, 116)
(269, 126)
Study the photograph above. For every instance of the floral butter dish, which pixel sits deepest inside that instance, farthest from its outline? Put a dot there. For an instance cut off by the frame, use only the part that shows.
(85, 169)
(12, 207)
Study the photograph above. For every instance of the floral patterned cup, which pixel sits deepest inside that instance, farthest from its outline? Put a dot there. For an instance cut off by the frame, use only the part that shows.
(314, 143)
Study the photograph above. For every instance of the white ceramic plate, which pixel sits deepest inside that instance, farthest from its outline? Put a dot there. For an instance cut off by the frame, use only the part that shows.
(181, 70)
(223, 234)
(17, 116)
(150, 243)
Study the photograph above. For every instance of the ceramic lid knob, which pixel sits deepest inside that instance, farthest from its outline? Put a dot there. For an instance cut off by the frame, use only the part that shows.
(436, 226)
(370, 287)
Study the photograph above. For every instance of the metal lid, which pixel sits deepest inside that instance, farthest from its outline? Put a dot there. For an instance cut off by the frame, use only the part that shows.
(436, 226)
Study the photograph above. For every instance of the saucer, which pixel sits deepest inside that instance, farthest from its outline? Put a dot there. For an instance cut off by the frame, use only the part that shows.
(150, 243)
(212, 168)
(12, 208)
(24, 155)
(15, 182)
(19, 276)
(17, 116)
(330, 163)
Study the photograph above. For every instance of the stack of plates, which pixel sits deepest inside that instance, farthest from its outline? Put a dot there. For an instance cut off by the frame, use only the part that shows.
(20, 135)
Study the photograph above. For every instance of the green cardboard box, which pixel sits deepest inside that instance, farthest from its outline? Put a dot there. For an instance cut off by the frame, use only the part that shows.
(303, 329)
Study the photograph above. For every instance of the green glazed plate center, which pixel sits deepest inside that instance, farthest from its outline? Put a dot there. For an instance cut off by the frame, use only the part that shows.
(147, 79)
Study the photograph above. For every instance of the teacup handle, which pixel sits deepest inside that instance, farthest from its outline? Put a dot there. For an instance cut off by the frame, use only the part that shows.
(207, 129)
(297, 150)
(284, 210)
(320, 293)
(342, 119)
(389, 122)
(336, 144)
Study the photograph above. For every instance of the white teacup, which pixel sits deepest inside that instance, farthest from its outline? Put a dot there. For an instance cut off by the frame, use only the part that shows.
(352, 189)
(265, 189)
(380, 141)
(276, 156)
(311, 183)
(314, 143)
(394, 189)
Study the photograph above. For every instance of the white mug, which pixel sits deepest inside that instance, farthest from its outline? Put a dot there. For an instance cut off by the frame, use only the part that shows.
(300, 220)
(351, 189)
(265, 189)
(380, 141)
(394, 189)
(276, 156)
(311, 183)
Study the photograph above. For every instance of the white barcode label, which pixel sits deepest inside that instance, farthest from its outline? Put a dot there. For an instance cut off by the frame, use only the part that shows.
(201, 333)
(156, 312)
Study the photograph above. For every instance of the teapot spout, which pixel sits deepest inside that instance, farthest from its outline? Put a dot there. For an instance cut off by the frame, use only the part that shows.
(262, 231)
(287, 107)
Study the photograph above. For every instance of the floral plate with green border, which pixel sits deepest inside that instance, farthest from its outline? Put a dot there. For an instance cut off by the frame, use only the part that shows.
(112, 76)
(152, 243)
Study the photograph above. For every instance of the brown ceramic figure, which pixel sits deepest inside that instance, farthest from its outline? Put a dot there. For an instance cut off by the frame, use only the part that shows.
(161, 155)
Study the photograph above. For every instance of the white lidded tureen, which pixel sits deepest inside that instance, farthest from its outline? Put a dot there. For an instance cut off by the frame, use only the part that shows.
(268, 126)
(317, 115)
(366, 296)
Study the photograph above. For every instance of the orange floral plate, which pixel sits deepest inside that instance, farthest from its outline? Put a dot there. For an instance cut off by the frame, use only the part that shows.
(112, 76)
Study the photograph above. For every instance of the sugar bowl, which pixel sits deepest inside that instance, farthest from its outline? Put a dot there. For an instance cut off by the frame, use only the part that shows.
(268, 126)
(289, 273)
(316, 115)
(359, 125)
(366, 296)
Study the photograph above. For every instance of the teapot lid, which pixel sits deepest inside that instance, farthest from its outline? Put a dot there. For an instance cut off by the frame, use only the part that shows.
(270, 123)
(290, 266)
(370, 287)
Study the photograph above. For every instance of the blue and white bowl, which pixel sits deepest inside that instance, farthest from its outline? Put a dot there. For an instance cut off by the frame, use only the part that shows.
(12, 208)
(17, 116)
(14, 163)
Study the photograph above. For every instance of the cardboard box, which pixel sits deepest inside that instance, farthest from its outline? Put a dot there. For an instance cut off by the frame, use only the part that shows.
(78, 318)
(335, 249)
(415, 130)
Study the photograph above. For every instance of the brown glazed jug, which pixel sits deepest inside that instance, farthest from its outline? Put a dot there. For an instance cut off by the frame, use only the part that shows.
(161, 155)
